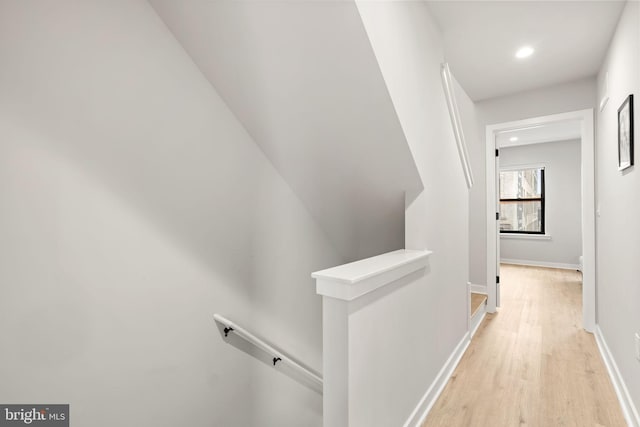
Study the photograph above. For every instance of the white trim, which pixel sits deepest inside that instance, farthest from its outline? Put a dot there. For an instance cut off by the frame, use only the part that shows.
(469, 286)
(350, 281)
(540, 264)
(523, 166)
(588, 206)
(628, 408)
(605, 96)
(492, 208)
(588, 222)
(477, 320)
(421, 411)
(454, 115)
(477, 289)
(525, 236)
(564, 138)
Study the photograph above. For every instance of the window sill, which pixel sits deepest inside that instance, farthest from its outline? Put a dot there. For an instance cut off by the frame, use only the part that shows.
(525, 236)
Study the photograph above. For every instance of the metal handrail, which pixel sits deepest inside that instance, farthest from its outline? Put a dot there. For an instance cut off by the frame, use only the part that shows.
(278, 356)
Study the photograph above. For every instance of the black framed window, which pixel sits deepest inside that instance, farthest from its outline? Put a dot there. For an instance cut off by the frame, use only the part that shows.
(522, 201)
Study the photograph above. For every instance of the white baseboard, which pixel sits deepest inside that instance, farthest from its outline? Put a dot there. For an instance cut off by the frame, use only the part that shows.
(628, 408)
(540, 263)
(478, 289)
(421, 411)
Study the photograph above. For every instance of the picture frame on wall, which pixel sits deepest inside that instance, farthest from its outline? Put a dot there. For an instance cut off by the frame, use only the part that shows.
(625, 134)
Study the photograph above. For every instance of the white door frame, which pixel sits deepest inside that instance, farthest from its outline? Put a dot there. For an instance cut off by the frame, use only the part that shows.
(588, 206)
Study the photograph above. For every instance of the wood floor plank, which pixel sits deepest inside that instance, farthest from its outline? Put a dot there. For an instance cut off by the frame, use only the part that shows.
(477, 300)
(531, 364)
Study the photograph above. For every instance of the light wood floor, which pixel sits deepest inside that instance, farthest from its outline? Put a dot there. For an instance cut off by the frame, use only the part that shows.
(531, 363)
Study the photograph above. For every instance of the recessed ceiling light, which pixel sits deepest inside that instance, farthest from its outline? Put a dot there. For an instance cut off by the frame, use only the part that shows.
(524, 52)
(513, 139)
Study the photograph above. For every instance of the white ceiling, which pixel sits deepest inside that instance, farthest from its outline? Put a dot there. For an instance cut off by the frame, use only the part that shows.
(570, 39)
(560, 131)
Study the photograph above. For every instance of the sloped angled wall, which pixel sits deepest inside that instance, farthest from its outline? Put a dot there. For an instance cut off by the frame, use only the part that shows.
(303, 80)
(134, 206)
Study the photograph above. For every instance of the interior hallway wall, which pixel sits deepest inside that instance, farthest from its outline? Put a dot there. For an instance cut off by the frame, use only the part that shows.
(563, 209)
(408, 47)
(134, 207)
(617, 225)
(562, 98)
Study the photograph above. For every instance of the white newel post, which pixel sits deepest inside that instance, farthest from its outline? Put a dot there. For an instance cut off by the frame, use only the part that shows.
(345, 289)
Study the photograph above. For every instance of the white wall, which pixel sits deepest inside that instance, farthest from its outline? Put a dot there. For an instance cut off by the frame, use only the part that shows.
(409, 50)
(571, 96)
(474, 140)
(303, 79)
(561, 160)
(390, 364)
(134, 207)
(617, 226)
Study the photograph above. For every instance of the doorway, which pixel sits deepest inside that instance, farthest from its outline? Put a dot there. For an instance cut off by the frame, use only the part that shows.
(584, 118)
